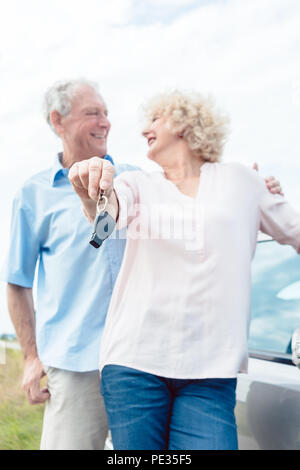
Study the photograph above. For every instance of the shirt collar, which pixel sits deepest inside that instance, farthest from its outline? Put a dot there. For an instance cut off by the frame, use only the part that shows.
(58, 171)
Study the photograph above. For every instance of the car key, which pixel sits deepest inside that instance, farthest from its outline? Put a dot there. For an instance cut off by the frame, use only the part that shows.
(104, 223)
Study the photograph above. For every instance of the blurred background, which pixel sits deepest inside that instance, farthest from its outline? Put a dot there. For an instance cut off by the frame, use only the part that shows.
(243, 52)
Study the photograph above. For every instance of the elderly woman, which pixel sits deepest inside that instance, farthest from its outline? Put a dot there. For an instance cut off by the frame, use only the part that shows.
(176, 331)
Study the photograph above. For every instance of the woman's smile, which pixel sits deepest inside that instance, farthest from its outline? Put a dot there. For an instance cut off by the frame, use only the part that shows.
(151, 140)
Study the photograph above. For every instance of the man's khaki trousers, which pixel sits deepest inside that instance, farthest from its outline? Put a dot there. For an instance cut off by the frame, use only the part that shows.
(75, 417)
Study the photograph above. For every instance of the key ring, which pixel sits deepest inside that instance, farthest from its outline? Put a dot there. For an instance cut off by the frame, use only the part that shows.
(100, 199)
(104, 223)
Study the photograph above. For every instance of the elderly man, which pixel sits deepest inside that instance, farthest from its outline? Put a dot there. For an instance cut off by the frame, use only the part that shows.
(75, 281)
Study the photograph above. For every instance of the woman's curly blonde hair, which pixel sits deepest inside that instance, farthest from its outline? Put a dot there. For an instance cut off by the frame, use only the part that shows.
(195, 118)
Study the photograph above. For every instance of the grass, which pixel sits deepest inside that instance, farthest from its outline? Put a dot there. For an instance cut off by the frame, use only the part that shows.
(20, 422)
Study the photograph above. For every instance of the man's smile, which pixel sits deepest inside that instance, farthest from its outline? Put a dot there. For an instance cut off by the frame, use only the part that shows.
(98, 135)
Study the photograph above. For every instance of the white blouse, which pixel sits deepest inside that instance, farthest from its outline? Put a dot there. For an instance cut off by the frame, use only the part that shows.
(181, 303)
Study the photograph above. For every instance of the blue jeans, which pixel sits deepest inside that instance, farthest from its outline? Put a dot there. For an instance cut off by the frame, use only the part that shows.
(148, 412)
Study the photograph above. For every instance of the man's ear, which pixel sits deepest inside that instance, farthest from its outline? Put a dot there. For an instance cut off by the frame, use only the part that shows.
(55, 119)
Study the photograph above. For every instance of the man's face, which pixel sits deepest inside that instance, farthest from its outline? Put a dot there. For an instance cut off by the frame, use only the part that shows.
(86, 128)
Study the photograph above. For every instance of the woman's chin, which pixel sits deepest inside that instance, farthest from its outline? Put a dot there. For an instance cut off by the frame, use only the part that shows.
(151, 155)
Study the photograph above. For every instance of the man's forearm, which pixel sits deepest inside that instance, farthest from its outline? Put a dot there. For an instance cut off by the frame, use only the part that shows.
(21, 309)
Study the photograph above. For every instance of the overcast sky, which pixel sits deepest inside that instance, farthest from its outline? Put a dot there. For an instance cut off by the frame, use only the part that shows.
(244, 52)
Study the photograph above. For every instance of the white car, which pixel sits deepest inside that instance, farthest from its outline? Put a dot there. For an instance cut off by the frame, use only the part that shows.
(268, 397)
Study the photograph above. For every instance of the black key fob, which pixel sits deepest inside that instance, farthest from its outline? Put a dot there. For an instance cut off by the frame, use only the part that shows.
(104, 223)
(104, 226)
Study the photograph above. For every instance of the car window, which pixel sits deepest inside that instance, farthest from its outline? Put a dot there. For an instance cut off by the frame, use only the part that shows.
(275, 307)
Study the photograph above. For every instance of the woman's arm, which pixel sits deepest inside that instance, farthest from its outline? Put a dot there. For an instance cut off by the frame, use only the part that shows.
(279, 220)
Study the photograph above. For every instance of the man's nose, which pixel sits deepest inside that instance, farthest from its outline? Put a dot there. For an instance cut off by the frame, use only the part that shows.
(103, 121)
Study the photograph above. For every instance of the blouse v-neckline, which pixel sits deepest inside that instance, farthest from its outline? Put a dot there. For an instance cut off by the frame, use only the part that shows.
(180, 193)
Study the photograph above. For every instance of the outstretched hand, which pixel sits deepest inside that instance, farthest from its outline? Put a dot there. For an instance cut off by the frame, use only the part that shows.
(89, 176)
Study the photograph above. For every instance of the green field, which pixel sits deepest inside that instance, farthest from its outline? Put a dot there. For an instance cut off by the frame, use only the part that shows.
(20, 422)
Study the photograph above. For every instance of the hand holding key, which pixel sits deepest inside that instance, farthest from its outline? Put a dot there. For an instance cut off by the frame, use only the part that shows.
(88, 176)
(92, 180)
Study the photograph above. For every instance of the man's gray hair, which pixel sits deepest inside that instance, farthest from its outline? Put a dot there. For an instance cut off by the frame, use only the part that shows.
(59, 96)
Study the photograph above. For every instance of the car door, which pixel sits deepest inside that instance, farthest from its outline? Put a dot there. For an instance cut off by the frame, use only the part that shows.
(268, 397)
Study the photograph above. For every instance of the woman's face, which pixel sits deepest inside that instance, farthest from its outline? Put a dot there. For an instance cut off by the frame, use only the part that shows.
(161, 140)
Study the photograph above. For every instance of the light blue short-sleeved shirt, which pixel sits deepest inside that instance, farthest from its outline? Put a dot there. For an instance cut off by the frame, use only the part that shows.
(74, 279)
